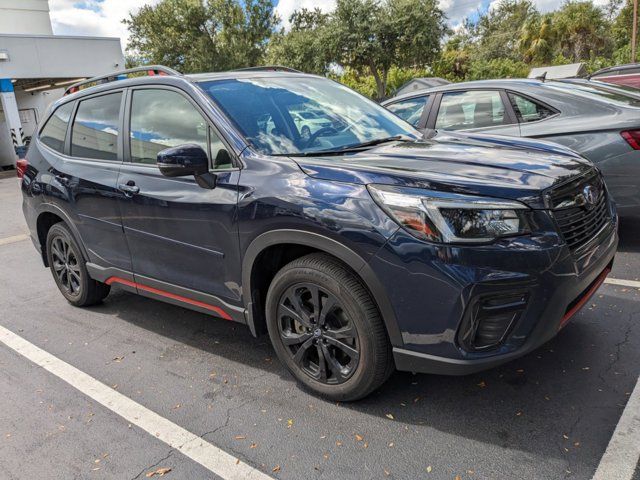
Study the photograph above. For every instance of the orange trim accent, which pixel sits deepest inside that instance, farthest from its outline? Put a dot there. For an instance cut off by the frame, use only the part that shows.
(221, 313)
(585, 298)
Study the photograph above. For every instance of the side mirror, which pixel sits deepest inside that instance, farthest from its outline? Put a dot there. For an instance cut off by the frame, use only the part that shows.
(183, 161)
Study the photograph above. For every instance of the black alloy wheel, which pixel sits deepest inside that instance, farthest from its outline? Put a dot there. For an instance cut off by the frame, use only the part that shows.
(69, 270)
(326, 328)
(65, 265)
(318, 333)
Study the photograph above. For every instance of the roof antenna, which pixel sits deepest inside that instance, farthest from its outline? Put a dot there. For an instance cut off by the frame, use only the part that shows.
(542, 77)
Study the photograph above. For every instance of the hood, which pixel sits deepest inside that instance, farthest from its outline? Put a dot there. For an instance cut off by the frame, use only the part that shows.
(493, 166)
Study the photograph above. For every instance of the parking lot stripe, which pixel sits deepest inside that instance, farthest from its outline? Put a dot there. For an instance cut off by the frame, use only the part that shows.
(13, 239)
(206, 454)
(623, 283)
(623, 452)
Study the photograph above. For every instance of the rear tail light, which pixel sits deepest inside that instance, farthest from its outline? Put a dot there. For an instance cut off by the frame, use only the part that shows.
(632, 137)
(21, 167)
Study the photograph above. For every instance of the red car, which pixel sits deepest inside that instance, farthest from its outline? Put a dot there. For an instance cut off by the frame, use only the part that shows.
(628, 75)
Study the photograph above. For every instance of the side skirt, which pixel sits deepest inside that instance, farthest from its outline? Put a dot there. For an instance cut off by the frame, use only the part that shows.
(166, 292)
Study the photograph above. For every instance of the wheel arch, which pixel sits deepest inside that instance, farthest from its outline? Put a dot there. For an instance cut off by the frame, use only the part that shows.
(48, 215)
(312, 242)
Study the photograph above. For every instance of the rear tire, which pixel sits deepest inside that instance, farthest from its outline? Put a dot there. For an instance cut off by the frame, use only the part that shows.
(326, 329)
(69, 270)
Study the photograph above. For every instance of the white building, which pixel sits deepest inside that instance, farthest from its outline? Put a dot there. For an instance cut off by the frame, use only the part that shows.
(36, 66)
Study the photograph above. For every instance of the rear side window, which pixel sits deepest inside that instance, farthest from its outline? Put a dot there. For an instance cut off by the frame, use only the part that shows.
(528, 110)
(95, 129)
(472, 109)
(162, 119)
(410, 109)
(55, 130)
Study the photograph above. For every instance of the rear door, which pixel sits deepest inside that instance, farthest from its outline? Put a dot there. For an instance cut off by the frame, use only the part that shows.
(483, 111)
(84, 176)
(183, 238)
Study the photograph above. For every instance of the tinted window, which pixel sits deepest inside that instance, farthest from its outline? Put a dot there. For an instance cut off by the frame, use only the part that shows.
(95, 128)
(55, 130)
(162, 119)
(472, 109)
(528, 110)
(410, 109)
(275, 114)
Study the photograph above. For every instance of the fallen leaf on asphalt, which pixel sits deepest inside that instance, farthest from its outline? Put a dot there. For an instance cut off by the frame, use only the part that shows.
(289, 423)
(429, 468)
(276, 468)
(359, 438)
(565, 437)
(338, 444)
(176, 406)
(387, 472)
(518, 414)
(391, 445)
(240, 437)
(389, 416)
(482, 384)
(253, 445)
(160, 472)
(118, 359)
(458, 477)
(366, 445)
(237, 461)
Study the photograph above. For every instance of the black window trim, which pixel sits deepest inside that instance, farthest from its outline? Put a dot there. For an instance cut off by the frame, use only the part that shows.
(236, 164)
(508, 109)
(555, 111)
(119, 148)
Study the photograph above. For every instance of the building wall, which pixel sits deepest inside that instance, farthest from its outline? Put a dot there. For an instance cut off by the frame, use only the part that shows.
(25, 17)
(32, 107)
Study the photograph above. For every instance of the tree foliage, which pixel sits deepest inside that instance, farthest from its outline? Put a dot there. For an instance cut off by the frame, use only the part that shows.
(196, 35)
(377, 45)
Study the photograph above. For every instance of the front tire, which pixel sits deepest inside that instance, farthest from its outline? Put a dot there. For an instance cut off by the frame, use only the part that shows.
(69, 270)
(326, 329)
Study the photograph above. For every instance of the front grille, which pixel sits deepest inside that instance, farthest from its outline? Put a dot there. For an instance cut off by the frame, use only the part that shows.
(578, 220)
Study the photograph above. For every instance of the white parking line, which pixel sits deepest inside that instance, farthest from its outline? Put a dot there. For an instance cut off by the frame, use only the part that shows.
(623, 452)
(624, 283)
(13, 239)
(206, 454)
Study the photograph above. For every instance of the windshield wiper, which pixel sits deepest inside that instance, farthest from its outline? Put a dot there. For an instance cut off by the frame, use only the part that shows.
(354, 148)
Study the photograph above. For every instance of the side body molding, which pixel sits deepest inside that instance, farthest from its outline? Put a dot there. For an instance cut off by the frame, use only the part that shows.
(325, 244)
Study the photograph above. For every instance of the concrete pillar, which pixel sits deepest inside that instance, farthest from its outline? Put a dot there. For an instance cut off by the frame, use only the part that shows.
(12, 116)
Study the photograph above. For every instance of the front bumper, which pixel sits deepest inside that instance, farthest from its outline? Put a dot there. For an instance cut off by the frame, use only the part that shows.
(433, 289)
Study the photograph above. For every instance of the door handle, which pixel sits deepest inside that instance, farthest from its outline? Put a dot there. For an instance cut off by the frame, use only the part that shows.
(129, 189)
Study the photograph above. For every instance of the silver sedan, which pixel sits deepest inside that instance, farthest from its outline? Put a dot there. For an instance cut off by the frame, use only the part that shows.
(599, 121)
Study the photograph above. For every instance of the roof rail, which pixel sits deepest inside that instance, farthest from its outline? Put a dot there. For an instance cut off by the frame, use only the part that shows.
(150, 70)
(268, 68)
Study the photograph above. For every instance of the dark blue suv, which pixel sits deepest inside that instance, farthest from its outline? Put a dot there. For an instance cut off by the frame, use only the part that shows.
(291, 204)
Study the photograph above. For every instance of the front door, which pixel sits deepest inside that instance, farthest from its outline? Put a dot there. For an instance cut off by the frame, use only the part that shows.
(183, 237)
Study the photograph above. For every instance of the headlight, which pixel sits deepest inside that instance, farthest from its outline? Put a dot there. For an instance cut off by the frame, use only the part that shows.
(451, 218)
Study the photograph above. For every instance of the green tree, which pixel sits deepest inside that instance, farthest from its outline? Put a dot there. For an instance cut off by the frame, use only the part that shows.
(197, 35)
(582, 30)
(496, 33)
(304, 46)
(371, 36)
(537, 40)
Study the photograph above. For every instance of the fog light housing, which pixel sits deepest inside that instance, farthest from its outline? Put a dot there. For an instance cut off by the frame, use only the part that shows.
(489, 319)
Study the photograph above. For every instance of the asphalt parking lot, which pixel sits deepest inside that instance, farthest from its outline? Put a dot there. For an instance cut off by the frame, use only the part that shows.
(549, 415)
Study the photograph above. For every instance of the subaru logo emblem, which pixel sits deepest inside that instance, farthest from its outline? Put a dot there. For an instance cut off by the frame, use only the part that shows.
(590, 194)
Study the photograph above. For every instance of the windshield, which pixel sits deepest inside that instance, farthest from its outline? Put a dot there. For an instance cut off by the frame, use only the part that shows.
(597, 92)
(303, 115)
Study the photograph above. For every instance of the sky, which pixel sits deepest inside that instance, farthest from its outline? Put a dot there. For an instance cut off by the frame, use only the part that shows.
(104, 17)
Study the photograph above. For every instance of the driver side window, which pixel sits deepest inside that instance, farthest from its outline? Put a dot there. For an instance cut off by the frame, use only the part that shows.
(162, 119)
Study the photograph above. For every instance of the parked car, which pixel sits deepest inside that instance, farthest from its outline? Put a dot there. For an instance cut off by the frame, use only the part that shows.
(600, 122)
(628, 75)
(360, 249)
